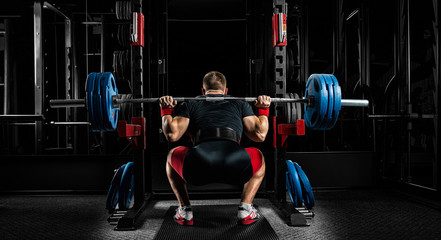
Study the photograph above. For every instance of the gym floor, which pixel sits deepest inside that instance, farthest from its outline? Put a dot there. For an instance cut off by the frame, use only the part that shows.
(349, 214)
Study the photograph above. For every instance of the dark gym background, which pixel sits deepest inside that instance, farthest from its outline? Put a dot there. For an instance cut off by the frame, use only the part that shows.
(384, 51)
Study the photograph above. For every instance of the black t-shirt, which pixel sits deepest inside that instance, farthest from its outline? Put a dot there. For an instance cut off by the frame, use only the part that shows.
(203, 114)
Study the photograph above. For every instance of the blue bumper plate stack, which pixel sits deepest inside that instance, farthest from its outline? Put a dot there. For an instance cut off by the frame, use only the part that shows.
(298, 186)
(100, 89)
(293, 184)
(326, 103)
(126, 190)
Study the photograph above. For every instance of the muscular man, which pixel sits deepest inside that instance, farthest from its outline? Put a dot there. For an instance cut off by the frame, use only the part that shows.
(215, 128)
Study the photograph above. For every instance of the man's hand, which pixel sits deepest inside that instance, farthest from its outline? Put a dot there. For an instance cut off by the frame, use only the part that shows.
(167, 102)
(263, 101)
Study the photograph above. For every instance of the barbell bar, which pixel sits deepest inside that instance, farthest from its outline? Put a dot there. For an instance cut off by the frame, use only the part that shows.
(322, 101)
(67, 103)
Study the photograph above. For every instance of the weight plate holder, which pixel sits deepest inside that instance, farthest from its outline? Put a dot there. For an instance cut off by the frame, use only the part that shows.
(113, 193)
(307, 195)
(108, 90)
(328, 83)
(90, 82)
(126, 190)
(337, 101)
(293, 184)
(315, 114)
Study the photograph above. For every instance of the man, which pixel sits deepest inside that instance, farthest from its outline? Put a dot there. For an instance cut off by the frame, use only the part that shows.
(215, 128)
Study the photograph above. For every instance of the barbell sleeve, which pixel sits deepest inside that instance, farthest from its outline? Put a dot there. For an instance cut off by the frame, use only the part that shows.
(355, 103)
(65, 103)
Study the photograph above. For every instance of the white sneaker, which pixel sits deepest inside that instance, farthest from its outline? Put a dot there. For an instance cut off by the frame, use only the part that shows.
(184, 216)
(247, 216)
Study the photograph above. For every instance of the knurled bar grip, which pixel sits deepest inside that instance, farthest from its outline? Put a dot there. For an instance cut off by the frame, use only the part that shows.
(181, 99)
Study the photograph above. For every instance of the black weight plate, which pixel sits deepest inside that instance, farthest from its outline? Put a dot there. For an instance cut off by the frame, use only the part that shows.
(298, 107)
(293, 109)
(288, 107)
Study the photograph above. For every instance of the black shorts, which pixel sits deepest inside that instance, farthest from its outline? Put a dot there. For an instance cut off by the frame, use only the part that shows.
(219, 161)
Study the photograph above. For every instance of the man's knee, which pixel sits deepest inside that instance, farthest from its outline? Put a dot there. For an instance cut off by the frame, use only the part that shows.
(170, 154)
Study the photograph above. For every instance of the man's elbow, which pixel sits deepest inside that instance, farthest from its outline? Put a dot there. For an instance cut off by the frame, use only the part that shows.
(260, 137)
(171, 137)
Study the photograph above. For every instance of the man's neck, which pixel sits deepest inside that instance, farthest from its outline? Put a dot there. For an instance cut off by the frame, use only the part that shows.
(214, 92)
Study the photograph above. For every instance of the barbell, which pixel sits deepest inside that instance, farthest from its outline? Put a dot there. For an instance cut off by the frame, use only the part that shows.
(322, 101)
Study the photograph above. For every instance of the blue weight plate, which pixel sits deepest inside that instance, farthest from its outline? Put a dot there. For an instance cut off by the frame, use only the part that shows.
(289, 188)
(104, 108)
(316, 87)
(308, 196)
(337, 101)
(89, 97)
(330, 88)
(127, 186)
(294, 182)
(113, 90)
(306, 116)
(113, 193)
(97, 104)
(108, 90)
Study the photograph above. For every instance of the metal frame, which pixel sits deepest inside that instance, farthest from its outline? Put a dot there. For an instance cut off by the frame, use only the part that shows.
(39, 97)
(437, 97)
(7, 52)
(38, 74)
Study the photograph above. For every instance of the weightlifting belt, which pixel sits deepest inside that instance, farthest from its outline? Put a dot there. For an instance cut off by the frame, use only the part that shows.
(216, 133)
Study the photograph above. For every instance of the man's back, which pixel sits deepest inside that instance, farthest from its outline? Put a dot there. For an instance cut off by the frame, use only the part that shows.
(206, 114)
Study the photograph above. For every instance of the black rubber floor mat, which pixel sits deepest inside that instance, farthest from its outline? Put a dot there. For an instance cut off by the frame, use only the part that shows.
(214, 222)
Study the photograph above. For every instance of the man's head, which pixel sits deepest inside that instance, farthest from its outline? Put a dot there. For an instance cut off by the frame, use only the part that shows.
(214, 82)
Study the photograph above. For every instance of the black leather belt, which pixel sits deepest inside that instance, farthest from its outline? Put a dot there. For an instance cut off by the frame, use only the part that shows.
(214, 133)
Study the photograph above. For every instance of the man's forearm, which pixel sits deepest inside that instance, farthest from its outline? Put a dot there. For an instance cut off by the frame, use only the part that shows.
(168, 127)
(262, 125)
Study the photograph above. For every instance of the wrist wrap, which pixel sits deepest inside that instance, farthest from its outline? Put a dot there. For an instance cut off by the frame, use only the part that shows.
(166, 111)
(262, 111)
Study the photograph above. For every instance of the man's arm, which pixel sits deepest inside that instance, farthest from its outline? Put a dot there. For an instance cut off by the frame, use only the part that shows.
(256, 127)
(173, 128)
